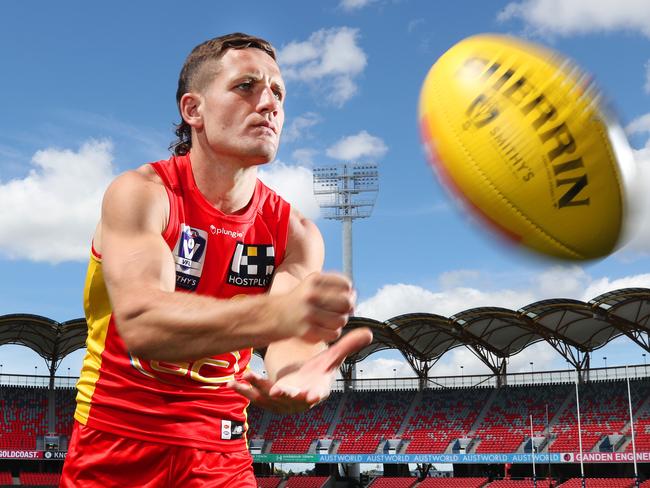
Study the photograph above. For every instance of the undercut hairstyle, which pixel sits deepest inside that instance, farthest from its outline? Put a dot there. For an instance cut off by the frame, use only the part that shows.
(201, 66)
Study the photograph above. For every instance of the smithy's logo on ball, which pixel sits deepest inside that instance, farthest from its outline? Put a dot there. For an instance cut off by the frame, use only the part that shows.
(189, 254)
(481, 112)
(252, 265)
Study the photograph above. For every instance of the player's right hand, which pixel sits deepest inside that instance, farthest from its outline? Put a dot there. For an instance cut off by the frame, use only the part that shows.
(317, 309)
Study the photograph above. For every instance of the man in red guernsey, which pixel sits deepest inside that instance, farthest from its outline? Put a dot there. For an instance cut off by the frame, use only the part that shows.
(194, 263)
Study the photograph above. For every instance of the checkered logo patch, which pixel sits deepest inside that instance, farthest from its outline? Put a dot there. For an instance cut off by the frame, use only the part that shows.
(252, 265)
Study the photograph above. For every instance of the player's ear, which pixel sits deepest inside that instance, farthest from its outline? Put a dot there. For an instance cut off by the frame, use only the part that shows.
(190, 108)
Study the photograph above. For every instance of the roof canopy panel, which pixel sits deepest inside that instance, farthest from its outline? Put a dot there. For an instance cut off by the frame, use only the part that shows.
(425, 337)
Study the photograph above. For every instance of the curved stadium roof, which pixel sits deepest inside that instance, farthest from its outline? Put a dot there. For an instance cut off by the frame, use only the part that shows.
(574, 328)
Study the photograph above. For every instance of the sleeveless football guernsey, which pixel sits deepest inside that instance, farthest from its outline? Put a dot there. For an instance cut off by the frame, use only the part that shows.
(187, 402)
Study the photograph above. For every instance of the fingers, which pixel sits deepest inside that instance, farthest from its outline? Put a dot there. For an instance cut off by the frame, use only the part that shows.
(353, 341)
(331, 292)
(330, 300)
(282, 399)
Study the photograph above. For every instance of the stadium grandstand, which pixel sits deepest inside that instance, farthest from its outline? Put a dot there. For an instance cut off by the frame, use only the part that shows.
(543, 428)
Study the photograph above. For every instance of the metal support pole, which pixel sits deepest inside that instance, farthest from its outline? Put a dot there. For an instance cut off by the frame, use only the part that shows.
(582, 466)
(629, 403)
(347, 248)
(532, 450)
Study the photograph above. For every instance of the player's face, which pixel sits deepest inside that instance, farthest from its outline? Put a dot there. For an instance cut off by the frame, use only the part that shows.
(243, 109)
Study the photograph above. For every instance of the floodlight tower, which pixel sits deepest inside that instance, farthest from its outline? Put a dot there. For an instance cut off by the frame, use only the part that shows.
(346, 192)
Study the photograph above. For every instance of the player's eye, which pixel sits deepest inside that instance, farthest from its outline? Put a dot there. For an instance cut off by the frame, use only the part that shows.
(245, 85)
(278, 94)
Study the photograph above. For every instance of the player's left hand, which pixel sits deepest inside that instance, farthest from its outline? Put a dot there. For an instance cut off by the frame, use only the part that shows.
(306, 386)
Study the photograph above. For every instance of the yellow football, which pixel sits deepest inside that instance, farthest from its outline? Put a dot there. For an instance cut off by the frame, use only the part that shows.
(520, 134)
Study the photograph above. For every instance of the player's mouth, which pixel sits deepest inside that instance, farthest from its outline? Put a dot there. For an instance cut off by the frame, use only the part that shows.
(266, 127)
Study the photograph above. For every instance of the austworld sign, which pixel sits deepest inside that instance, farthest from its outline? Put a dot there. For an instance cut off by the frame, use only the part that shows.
(503, 458)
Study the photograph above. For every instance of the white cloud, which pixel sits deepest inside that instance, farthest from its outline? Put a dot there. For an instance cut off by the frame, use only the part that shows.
(640, 125)
(294, 184)
(358, 146)
(350, 5)
(566, 282)
(602, 285)
(396, 299)
(639, 223)
(329, 60)
(556, 282)
(296, 129)
(580, 16)
(378, 367)
(561, 282)
(457, 278)
(304, 156)
(50, 214)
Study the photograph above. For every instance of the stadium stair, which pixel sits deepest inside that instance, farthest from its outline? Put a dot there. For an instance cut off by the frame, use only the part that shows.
(484, 411)
(371, 418)
(297, 434)
(641, 421)
(415, 404)
(603, 411)
(527, 483)
(506, 426)
(337, 415)
(442, 417)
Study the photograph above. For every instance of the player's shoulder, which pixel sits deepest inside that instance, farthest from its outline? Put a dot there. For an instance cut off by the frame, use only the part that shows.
(302, 230)
(142, 181)
(139, 192)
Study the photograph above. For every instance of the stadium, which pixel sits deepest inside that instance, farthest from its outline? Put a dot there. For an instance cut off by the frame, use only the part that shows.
(582, 426)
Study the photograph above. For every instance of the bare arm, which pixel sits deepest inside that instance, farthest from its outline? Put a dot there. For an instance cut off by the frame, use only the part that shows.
(300, 368)
(156, 322)
(305, 254)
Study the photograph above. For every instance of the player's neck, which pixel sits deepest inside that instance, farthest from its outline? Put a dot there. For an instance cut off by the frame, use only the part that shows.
(226, 184)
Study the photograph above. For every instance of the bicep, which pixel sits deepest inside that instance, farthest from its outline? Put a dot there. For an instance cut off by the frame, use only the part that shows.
(304, 254)
(135, 257)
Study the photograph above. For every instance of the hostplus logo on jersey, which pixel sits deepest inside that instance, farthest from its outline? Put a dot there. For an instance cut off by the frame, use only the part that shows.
(189, 254)
(251, 265)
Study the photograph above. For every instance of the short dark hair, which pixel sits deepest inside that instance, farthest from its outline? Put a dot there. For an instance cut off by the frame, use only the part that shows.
(193, 75)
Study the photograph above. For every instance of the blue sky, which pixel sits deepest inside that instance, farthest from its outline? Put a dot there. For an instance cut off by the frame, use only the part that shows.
(87, 92)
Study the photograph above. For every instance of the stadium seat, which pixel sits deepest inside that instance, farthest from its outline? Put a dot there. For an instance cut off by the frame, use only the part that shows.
(306, 481)
(526, 483)
(369, 418)
(441, 417)
(599, 483)
(506, 424)
(453, 483)
(40, 479)
(294, 434)
(5, 478)
(603, 411)
(23, 415)
(386, 482)
(268, 482)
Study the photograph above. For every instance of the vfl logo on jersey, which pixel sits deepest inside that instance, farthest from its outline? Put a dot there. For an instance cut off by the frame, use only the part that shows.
(189, 253)
(251, 265)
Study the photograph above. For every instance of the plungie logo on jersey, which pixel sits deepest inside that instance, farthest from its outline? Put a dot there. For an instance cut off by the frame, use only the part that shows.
(189, 254)
(252, 265)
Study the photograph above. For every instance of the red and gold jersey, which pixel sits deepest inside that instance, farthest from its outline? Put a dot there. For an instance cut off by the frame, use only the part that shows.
(219, 255)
